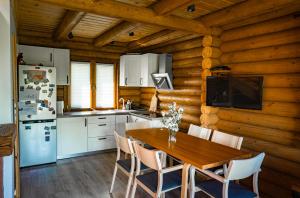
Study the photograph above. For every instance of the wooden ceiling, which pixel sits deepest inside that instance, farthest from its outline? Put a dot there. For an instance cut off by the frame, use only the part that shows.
(40, 19)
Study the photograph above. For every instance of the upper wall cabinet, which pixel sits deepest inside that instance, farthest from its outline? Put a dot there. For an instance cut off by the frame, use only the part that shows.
(136, 70)
(149, 65)
(59, 58)
(130, 70)
(62, 64)
(37, 55)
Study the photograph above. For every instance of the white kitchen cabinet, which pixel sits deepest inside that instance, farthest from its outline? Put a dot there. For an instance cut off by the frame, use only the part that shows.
(71, 136)
(130, 70)
(33, 55)
(121, 121)
(62, 64)
(149, 65)
(101, 143)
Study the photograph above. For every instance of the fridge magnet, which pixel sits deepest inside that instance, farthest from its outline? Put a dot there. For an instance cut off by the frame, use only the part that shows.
(21, 88)
(44, 91)
(29, 87)
(40, 108)
(28, 109)
(36, 75)
(51, 109)
(50, 70)
(52, 85)
(45, 80)
(50, 89)
(26, 81)
(38, 88)
(27, 102)
(50, 94)
(36, 82)
(53, 112)
(44, 85)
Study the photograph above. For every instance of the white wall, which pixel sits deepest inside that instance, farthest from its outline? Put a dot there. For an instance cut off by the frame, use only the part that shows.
(6, 112)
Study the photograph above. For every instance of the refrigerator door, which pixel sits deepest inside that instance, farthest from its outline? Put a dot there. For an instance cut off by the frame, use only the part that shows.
(37, 142)
(37, 92)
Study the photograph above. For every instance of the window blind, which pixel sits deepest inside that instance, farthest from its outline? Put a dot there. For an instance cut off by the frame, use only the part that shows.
(80, 85)
(105, 88)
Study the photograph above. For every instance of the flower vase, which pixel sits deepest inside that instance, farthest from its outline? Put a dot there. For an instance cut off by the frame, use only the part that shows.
(172, 135)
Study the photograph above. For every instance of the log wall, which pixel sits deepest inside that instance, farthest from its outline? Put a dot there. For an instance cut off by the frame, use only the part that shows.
(272, 49)
(187, 61)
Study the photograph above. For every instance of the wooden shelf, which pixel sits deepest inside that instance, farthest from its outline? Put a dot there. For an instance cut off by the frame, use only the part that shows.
(7, 139)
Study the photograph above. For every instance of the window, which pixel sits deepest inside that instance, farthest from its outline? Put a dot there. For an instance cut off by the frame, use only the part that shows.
(80, 85)
(105, 85)
(92, 85)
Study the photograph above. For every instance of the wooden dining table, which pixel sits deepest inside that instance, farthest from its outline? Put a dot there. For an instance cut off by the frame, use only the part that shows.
(192, 151)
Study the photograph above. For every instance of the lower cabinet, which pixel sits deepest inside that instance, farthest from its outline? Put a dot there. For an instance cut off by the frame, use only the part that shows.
(101, 143)
(121, 121)
(71, 136)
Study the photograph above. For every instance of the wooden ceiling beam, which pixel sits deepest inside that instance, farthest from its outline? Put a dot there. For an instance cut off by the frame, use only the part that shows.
(165, 7)
(68, 23)
(110, 34)
(133, 13)
(243, 10)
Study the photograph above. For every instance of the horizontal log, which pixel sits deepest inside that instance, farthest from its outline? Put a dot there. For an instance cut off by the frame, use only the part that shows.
(129, 92)
(146, 96)
(187, 72)
(288, 109)
(209, 119)
(189, 62)
(184, 126)
(151, 90)
(191, 53)
(145, 103)
(208, 63)
(211, 41)
(281, 94)
(188, 82)
(282, 80)
(185, 45)
(191, 119)
(181, 92)
(95, 54)
(282, 66)
(261, 54)
(194, 101)
(262, 133)
(188, 109)
(277, 38)
(273, 149)
(208, 109)
(211, 52)
(273, 25)
(270, 121)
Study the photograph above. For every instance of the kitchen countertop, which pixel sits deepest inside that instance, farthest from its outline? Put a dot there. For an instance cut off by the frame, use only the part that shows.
(97, 113)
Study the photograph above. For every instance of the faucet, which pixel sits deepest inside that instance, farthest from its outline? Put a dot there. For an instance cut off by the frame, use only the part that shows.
(123, 101)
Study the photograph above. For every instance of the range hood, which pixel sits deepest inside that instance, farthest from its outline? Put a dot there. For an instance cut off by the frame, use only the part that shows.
(164, 78)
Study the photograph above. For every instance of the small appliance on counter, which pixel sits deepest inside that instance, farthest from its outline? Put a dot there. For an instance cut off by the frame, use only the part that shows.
(60, 107)
(37, 112)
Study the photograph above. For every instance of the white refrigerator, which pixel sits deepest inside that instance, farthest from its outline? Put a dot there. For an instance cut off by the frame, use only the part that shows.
(37, 113)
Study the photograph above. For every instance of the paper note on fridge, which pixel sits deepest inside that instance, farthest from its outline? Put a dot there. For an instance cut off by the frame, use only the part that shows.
(27, 109)
(29, 94)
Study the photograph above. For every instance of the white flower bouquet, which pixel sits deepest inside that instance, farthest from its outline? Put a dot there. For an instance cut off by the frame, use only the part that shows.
(171, 120)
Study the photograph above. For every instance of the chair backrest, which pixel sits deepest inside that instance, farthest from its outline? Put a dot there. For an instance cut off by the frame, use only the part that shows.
(240, 169)
(148, 157)
(227, 139)
(199, 132)
(123, 143)
(137, 125)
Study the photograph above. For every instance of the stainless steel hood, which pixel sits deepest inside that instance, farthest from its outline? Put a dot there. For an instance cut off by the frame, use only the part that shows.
(164, 79)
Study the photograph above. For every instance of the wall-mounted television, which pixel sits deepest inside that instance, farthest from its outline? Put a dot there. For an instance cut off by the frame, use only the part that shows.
(243, 92)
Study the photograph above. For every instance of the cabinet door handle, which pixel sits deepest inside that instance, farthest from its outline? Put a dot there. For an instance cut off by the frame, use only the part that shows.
(85, 122)
(101, 124)
(101, 138)
(50, 57)
(126, 81)
(141, 81)
(127, 119)
(67, 79)
(102, 118)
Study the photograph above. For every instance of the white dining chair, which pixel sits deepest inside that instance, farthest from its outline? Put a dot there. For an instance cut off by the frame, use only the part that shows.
(225, 187)
(199, 132)
(161, 180)
(125, 165)
(220, 138)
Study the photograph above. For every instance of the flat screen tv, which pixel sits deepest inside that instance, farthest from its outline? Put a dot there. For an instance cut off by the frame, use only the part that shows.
(244, 92)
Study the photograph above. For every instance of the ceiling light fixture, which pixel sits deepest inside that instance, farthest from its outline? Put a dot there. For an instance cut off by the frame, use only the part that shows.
(191, 8)
(70, 35)
(131, 33)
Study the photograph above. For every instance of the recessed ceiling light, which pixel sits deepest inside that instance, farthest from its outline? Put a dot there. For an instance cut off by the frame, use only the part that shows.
(131, 33)
(191, 8)
(70, 35)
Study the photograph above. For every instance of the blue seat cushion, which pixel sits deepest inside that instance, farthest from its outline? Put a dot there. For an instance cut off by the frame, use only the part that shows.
(126, 164)
(147, 146)
(170, 180)
(215, 188)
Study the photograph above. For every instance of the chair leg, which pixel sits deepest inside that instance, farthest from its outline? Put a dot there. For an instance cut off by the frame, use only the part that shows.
(128, 186)
(113, 180)
(133, 189)
(192, 183)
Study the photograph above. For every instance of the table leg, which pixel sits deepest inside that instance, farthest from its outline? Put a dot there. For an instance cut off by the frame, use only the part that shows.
(185, 176)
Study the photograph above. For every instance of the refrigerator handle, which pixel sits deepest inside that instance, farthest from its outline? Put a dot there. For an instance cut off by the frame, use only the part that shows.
(85, 122)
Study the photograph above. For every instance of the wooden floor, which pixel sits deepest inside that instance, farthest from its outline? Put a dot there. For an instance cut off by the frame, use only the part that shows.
(81, 177)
